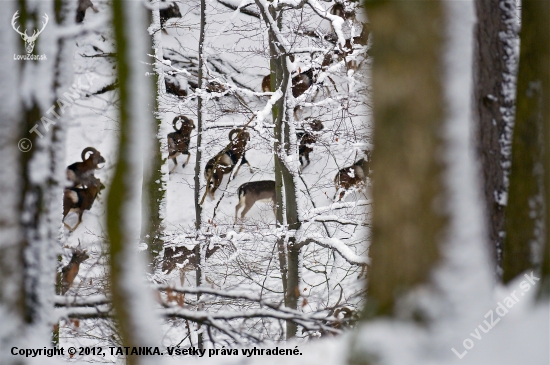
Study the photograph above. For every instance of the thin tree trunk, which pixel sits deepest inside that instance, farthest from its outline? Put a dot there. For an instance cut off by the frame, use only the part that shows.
(277, 112)
(199, 251)
(525, 214)
(408, 219)
(286, 202)
(495, 68)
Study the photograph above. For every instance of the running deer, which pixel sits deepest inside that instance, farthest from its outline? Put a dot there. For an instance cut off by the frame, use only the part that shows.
(80, 199)
(226, 160)
(82, 173)
(178, 141)
(255, 191)
(69, 272)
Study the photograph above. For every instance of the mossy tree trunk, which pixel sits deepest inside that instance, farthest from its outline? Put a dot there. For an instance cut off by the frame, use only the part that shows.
(408, 218)
(284, 180)
(527, 211)
(154, 187)
(132, 302)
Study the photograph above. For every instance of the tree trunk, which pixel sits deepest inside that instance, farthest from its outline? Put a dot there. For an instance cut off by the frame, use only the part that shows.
(200, 251)
(154, 187)
(43, 175)
(127, 269)
(12, 293)
(286, 202)
(408, 219)
(525, 214)
(62, 82)
(495, 69)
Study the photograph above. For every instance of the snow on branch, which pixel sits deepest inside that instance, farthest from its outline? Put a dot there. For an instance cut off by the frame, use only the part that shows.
(241, 8)
(335, 206)
(338, 246)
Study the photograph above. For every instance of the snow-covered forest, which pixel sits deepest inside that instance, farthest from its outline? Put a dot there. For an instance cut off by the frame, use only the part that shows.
(327, 181)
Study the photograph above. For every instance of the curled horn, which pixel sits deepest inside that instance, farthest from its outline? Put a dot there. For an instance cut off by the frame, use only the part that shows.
(233, 131)
(86, 150)
(184, 120)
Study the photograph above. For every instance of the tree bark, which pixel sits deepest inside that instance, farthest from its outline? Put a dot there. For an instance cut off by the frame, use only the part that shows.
(526, 214)
(154, 187)
(495, 69)
(284, 180)
(200, 251)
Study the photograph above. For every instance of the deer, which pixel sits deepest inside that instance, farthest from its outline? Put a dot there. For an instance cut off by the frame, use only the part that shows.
(338, 9)
(266, 84)
(225, 161)
(351, 177)
(348, 49)
(167, 12)
(302, 82)
(29, 41)
(81, 173)
(185, 260)
(80, 199)
(306, 140)
(179, 140)
(255, 191)
(174, 87)
(346, 317)
(69, 272)
(83, 5)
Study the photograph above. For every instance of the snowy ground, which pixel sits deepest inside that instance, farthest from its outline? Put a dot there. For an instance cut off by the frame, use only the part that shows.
(249, 262)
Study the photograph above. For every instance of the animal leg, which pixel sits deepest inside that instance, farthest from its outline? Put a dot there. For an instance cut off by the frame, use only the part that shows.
(79, 220)
(245, 161)
(307, 160)
(237, 208)
(186, 161)
(175, 160)
(245, 210)
(236, 172)
(180, 297)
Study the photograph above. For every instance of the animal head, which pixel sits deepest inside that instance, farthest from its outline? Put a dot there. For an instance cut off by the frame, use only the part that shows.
(184, 122)
(172, 10)
(316, 125)
(29, 41)
(240, 134)
(79, 255)
(95, 156)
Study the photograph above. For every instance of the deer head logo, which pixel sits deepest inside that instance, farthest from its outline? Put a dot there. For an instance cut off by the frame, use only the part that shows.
(29, 41)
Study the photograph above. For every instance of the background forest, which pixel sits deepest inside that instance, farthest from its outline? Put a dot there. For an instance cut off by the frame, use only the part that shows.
(366, 182)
